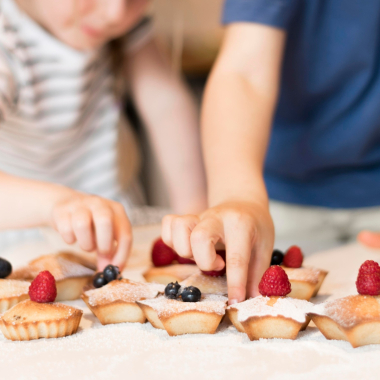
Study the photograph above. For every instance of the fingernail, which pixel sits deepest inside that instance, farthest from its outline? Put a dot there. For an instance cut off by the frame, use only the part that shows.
(231, 302)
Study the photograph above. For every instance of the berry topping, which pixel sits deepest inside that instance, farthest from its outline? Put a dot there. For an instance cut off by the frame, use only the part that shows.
(277, 257)
(99, 280)
(274, 282)
(172, 290)
(43, 288)
(368, 281)
(182, 260)
(217, 273)
(5, 268)
(191, 294)
(162, 254)
(293, 257)
(111, 272)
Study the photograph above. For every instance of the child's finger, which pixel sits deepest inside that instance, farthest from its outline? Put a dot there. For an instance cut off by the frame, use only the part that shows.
(239, 242)
(166, 229)
(123, 236)
(203, 239)
(103, 219)
(81, 220)
(62, 222)
(182, 227)
(369, 238)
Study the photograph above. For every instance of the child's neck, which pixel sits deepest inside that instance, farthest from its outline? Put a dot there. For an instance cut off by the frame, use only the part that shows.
(31, 10)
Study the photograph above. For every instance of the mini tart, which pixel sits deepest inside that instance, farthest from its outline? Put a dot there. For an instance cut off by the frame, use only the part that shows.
(270, 317)
(116, 301)
(207, 284)
(12, 292)
(355, 319)
(31, 320)
(305, 281)
(171, 273)
(178, 317)
(70, 276)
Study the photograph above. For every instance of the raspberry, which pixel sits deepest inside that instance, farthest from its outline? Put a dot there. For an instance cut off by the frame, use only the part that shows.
(162, 254)
(274, 282)
(43, 288)
(368, 281)
(183, 260)
(293, 257)
(217, 273)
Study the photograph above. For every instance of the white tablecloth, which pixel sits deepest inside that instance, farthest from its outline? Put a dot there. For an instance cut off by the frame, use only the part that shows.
(130, 351)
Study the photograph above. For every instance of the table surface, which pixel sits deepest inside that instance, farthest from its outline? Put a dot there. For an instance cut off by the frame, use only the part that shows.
(129, 351)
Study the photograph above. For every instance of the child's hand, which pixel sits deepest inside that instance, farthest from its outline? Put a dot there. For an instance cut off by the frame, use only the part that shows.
(369, 238)
(245, 228)
(96, 224)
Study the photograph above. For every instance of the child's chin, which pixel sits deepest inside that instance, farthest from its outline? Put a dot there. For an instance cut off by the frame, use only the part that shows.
(83, 43)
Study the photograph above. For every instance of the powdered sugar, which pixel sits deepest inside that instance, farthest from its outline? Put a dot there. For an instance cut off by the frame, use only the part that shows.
(351, 310)
(207, 284)
(285, 306)
(59, 267)
(13, 288)
(303, 274)
(209, 303)
(123, 290)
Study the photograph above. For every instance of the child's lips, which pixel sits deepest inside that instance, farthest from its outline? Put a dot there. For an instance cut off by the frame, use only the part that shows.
(91, 32)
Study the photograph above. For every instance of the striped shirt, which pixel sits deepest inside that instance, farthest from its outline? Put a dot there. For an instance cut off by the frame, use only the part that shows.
(59, 120)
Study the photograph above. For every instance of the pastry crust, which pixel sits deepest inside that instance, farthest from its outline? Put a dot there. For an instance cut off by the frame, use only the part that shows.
(171, 273)
(12, 292)
(116, 301)
(30, 320)
(355, 319)
(70, 276)
(179, 318)
(262, 318)
(305, 281)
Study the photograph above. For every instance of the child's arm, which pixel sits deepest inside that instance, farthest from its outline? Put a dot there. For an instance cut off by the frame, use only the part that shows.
(94, 222)
(171, 118)
(236, 120)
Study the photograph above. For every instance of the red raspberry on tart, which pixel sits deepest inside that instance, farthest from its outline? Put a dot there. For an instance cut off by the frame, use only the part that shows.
(162, 254)
(43, 288)
(306, 281)
(368, 281)
(355, 318)
(274, 282)
(271, 315)
(293, 257)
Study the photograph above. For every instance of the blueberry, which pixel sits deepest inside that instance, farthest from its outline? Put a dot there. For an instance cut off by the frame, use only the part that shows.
(99, 280)
(5, 268)
(191, 294)
(172, 289)
(111, 272)
(277, 257)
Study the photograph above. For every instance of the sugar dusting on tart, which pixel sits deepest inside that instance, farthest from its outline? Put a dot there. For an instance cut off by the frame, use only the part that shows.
(351, 310)
(13, 288)
(303, 274)
(209, 303)
(268, 306)
(59, 267)
(123, 290)
(207, 284)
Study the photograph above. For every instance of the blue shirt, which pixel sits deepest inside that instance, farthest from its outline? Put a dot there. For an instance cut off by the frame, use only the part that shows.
(325, 143)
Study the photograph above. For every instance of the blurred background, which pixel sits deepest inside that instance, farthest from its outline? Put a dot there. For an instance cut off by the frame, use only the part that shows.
(190, 33)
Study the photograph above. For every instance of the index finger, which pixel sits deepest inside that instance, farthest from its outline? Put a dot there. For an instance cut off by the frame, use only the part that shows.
(123, 238)
(239, 244)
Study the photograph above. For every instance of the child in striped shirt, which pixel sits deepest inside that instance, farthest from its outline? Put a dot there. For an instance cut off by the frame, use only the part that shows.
(68, 158)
